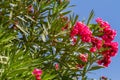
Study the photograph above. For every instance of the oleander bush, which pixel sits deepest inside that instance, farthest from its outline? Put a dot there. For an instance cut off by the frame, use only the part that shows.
(43, 40)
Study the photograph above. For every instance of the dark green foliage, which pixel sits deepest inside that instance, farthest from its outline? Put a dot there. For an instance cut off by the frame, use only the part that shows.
(31, 36)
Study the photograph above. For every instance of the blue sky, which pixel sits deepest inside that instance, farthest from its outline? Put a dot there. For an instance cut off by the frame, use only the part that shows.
(109, 11)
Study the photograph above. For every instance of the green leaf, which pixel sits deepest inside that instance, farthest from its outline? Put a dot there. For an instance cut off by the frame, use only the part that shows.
(16, 71)
(91, 15)
(61, 33)
(45, 30)
(73, 18)
(21, 29)
(93, 26)
(47, 76)
(21, 18)
(95, 68)
(11, 13)
(4, 39)
(43, 37)
(30, 18)
(76, 18)
(64, 13)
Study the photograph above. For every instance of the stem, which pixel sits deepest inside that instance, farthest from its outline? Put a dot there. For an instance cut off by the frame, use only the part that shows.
(83, 74)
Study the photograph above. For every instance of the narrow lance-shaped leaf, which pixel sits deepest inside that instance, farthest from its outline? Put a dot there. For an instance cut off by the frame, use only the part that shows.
(95, 68)
(11, 13)
(30, 18)
(22, 29)
(91, 15)
(21, 18)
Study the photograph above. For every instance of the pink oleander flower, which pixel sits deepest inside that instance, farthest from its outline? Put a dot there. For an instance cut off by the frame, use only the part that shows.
(103, 24)
(80, 25)
(83, 57)
(85, 34)
(96, 43)
(79, 66)
(82, 30)
(76, 29)
(74, 40)
(109, 35)
(93, 49)
(74, 32)
(112, 48)
(105, 61)
(57, 66)
(37, 73)
(106, 53)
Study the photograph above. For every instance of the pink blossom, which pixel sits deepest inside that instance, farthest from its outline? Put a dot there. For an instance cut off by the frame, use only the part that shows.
(96, 43)
(85, 34)
(74, 40)
(76, 29)
(56, 66)
(74, 32)
(112, 48)
(79, 66)
(38, 77)
(103, 24)
(105, 61)
(80, 25)
(109, 35)
(83, 57)
(37, 73)
(93, 49)
(82, 30)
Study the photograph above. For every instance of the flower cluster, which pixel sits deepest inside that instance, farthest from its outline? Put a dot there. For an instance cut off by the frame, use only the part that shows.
(109, 34)
(102, 44)
(110, 47)
(103, 24)
(82, 30)
(37, 73)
